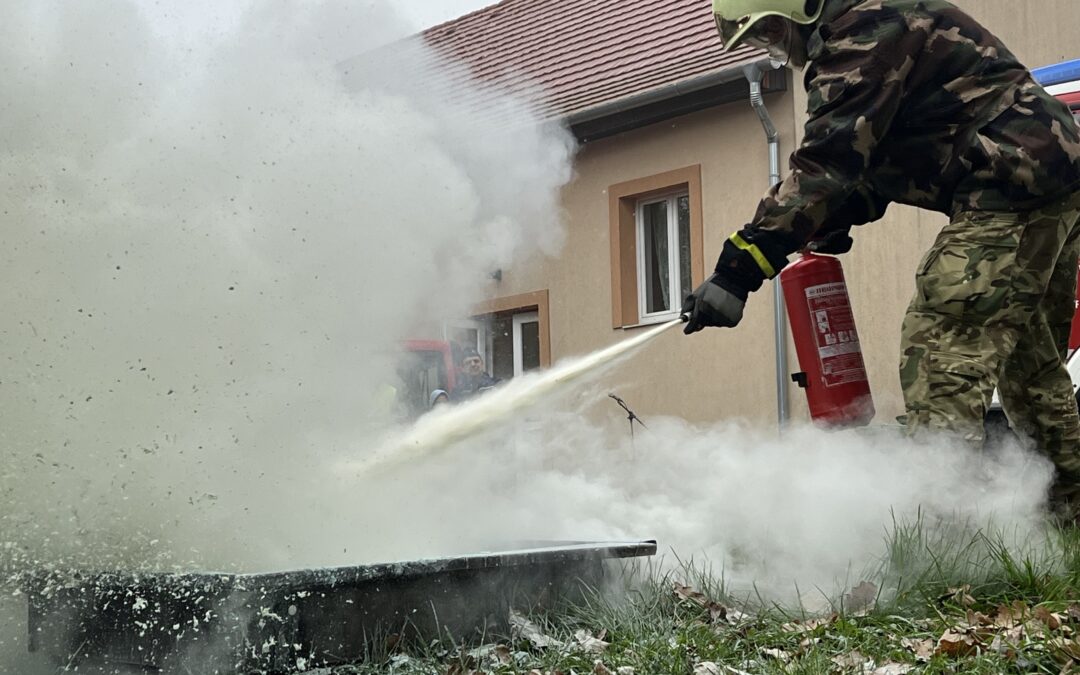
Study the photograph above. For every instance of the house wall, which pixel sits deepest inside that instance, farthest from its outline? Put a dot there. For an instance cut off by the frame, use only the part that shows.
(730, 373)
(714, 373)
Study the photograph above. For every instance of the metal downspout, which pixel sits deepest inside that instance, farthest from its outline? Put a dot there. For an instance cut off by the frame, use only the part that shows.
(754, 74)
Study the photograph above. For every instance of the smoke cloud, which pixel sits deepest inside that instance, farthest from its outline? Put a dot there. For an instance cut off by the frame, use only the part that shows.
(212, 244)
(796, 518)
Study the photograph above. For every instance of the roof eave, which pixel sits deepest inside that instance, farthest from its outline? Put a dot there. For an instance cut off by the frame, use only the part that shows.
(665, 92)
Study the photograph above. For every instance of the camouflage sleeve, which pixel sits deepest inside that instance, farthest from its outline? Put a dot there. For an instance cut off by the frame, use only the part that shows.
(855, 85)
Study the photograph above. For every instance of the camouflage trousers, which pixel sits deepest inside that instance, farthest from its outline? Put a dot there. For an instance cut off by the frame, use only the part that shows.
(993, 305)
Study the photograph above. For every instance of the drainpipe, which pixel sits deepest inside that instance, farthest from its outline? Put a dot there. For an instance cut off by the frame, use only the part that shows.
(754, 74)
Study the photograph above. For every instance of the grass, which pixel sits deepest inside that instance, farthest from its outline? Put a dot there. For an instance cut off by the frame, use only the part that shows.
(944, 599)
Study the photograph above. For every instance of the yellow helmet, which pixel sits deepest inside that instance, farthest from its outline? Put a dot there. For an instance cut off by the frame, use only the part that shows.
(735, 17)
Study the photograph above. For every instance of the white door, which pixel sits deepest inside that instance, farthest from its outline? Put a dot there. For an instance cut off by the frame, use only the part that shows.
(526, 342)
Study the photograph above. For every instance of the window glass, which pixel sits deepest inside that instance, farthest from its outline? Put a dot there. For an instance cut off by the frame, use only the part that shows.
(530, 346)
(655, 250)
(502, 346)
(464, 337)
(683, 210)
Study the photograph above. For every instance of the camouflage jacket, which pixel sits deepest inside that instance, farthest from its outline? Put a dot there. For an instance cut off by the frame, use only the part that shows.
(910, 101)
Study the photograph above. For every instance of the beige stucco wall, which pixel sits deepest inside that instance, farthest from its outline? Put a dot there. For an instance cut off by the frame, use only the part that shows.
(710, 375)
(730, 374)
(1039, 32)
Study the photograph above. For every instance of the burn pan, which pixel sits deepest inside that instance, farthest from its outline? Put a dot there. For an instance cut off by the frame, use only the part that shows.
(282, 622)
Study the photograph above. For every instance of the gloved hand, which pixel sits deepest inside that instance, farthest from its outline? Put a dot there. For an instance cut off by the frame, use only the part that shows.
(712, 305)
(836, 242)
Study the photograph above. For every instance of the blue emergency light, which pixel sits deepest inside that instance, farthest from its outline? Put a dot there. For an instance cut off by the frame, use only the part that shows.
(1067, 71)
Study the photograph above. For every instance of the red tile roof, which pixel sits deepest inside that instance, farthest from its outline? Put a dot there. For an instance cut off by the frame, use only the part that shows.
(585, 53)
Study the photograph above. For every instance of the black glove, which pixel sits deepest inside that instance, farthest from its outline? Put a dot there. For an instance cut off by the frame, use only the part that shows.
(836, 242)
(713, 304)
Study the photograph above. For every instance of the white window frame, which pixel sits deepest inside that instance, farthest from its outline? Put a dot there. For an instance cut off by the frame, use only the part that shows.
(674, 278)
(519, 353)
(481, 336)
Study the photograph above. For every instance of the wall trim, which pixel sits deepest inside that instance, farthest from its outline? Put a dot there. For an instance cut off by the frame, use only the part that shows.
(622, 201)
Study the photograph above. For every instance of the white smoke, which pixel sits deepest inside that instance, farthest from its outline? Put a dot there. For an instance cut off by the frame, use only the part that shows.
(211, 247)
(793, 518)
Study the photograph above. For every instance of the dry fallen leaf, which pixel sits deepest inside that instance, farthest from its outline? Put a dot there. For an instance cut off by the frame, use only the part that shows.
(810, 625)
(957, 643)
(778, 654)
(893, 669)
(521, 627)
(587, 643)
(600, 669)
(922, 649)
(807, 643)
(854, 659)
(1001, 647)
(717, 611)
(691, 594)
(1011, 615)
(707, 668)
(960, 596)
(625, 670)
(1065, 650)
(1052, 620)
(1008, 641)
(861, 597)
(980, 620)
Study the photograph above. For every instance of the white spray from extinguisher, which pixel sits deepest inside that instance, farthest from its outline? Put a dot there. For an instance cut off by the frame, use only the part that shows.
(445, 426)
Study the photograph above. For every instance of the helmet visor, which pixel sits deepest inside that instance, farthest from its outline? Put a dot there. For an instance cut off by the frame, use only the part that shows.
(729, 29)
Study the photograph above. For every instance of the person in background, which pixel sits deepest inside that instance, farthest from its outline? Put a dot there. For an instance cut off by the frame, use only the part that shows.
(915, 102)
(437, 398)
(472, 375)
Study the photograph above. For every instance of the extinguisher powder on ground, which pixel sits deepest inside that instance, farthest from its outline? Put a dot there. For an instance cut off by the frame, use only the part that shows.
(827, 342)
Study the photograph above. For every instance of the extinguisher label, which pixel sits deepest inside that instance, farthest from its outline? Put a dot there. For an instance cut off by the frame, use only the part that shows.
(834, 328)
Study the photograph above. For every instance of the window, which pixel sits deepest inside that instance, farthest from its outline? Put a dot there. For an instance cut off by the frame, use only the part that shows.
(517, 334)
(663, 248)
(467, 333)
(656, 245)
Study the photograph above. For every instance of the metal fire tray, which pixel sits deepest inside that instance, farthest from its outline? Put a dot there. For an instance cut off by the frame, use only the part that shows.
(274, 623)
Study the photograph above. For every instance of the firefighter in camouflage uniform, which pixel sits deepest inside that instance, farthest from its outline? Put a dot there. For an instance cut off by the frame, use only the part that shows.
(914, 102)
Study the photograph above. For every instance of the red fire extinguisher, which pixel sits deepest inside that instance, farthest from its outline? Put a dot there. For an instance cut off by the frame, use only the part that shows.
(826, 342)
